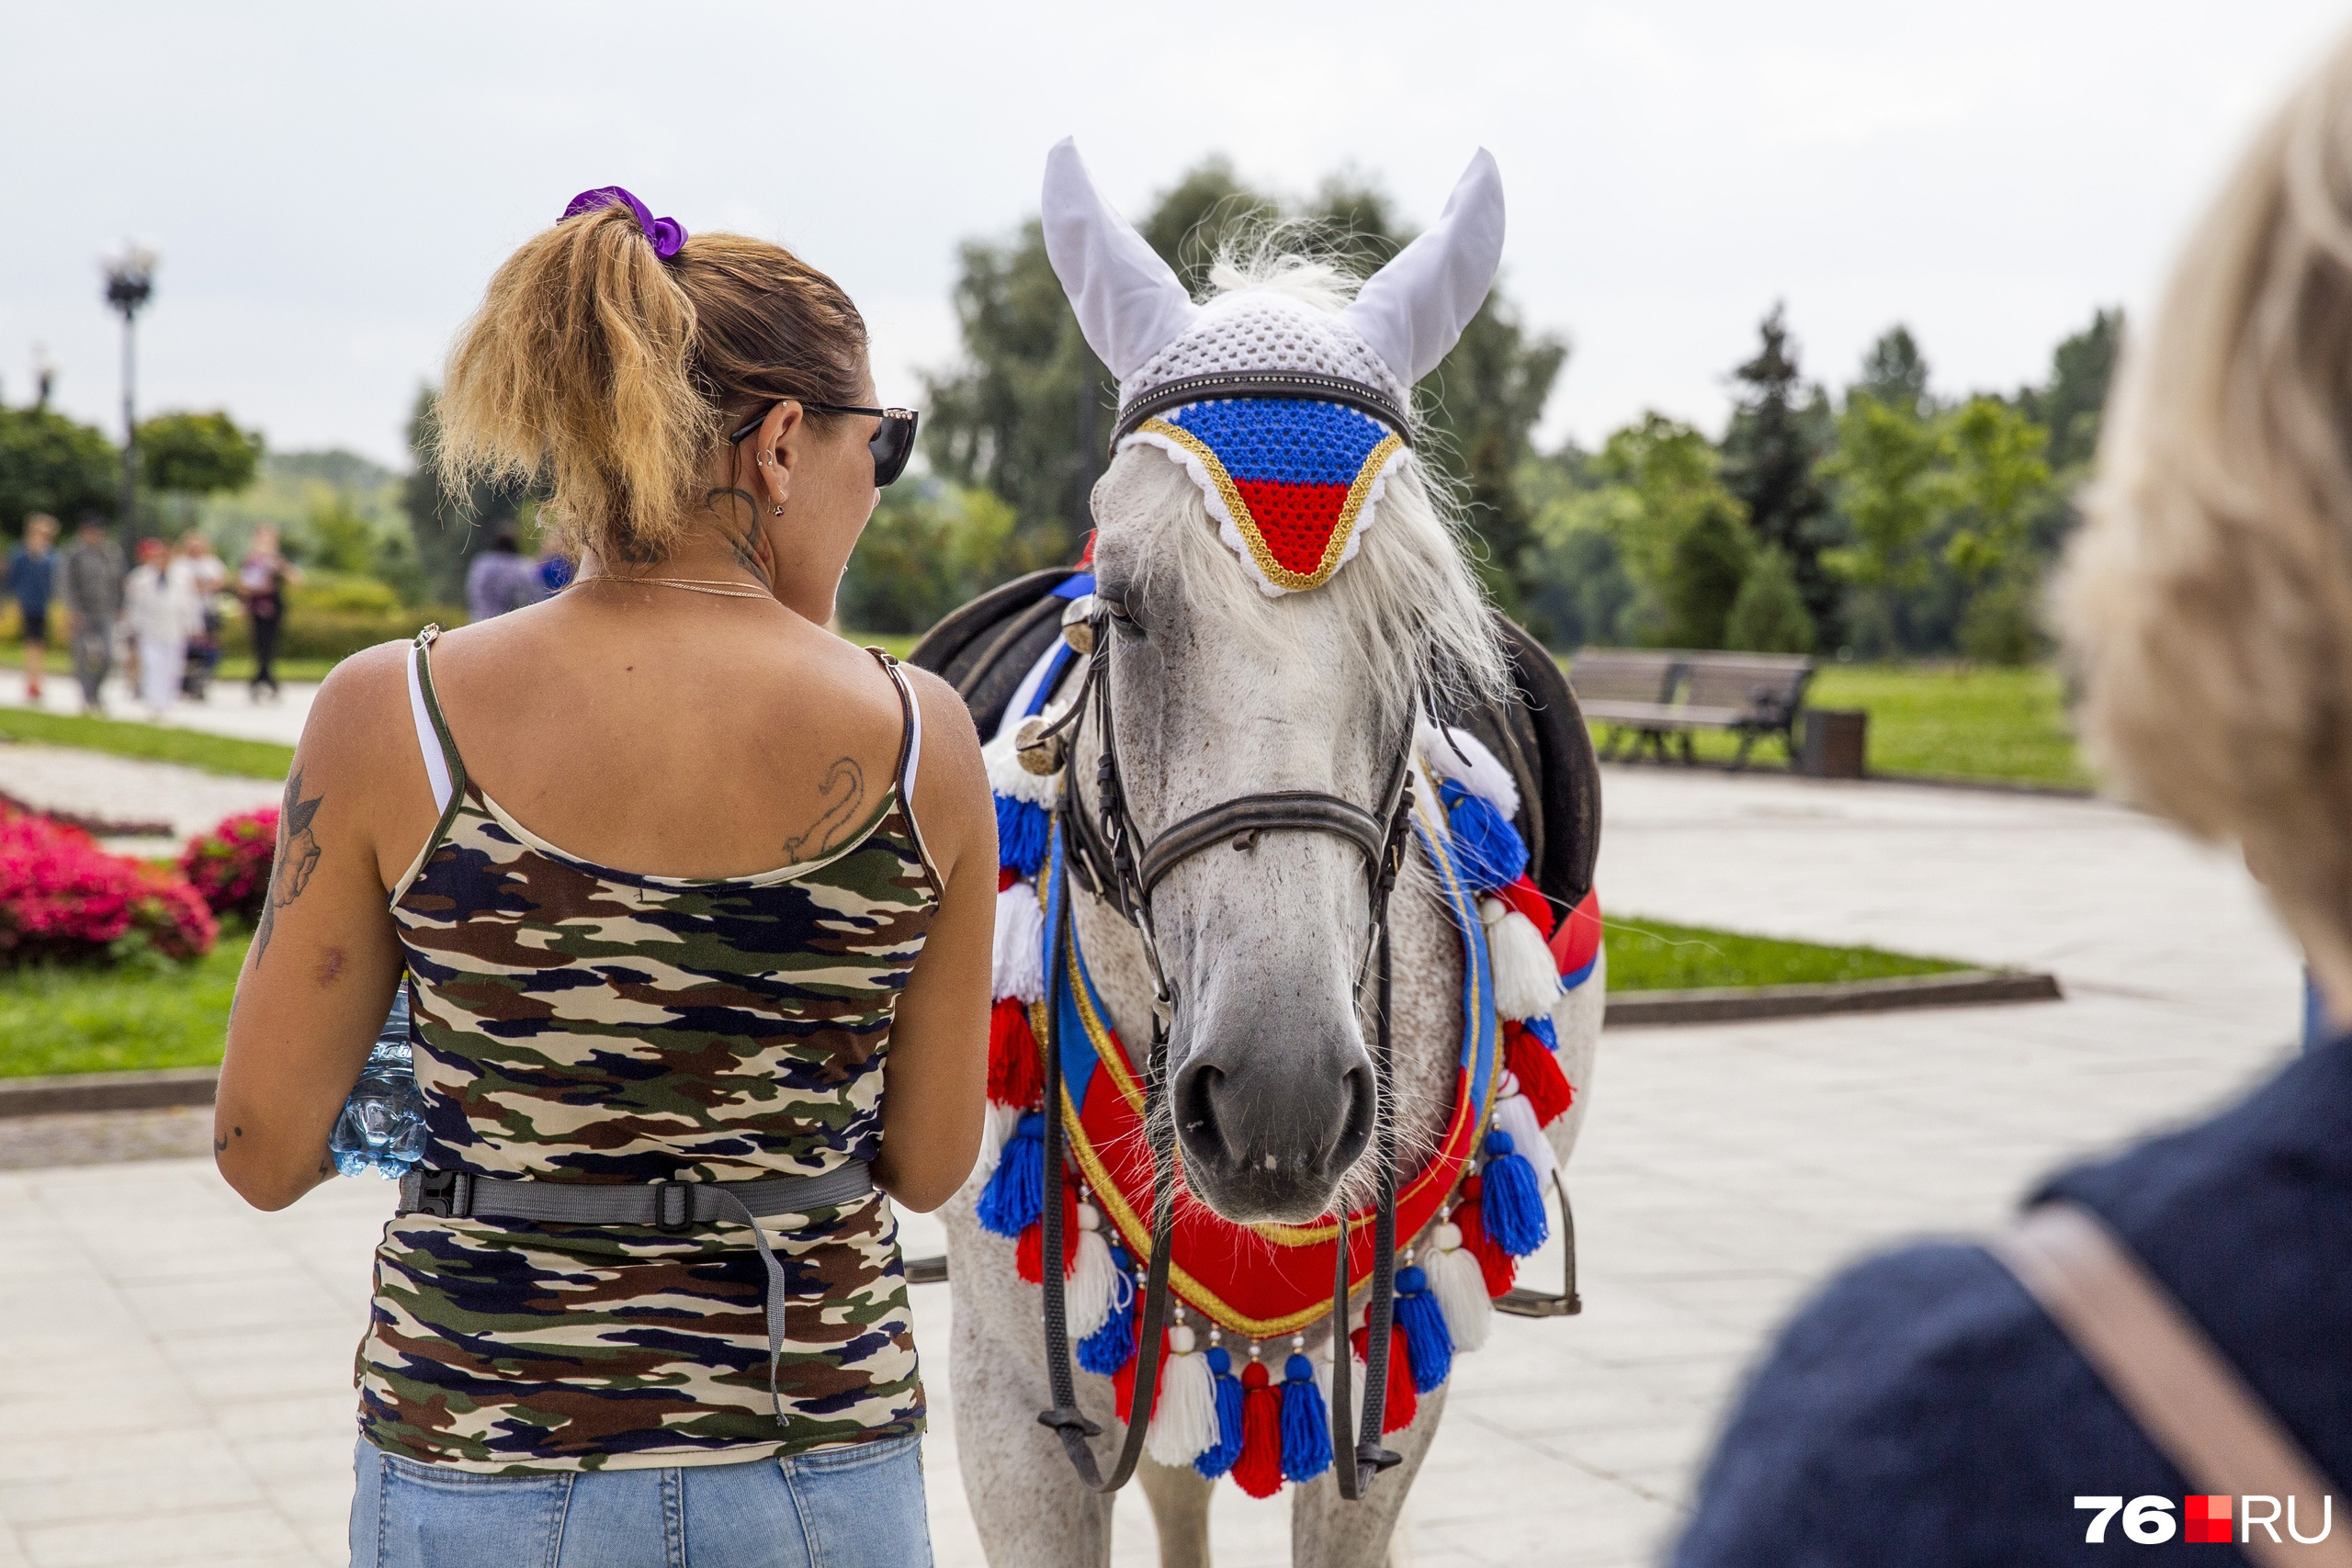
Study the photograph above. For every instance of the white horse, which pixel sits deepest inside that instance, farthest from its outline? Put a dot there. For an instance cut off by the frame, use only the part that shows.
(1219, 690)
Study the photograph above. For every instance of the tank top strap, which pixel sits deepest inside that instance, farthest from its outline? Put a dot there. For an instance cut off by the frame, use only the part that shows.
(910, 730)
(442, 766)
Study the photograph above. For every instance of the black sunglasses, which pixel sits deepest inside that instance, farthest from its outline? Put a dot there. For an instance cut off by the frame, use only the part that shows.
(893, 443)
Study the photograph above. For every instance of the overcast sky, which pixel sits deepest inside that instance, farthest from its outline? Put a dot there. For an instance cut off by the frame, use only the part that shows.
(331, 185)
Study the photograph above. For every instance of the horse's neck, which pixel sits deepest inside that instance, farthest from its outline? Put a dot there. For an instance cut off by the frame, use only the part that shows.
(1425, 964)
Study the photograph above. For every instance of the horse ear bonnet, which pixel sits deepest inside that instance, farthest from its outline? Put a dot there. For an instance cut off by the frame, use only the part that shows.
(1287, 415)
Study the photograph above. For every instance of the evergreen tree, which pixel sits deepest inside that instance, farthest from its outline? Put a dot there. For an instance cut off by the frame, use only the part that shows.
(2069, 406)
(1709, 562)
(1895, 374)
(1779, 430)
(1769, 615)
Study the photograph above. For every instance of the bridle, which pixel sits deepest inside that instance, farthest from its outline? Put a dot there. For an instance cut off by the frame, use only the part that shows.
(1115, 863)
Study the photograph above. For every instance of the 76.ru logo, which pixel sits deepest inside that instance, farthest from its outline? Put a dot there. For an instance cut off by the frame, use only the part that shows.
(2149, 1519)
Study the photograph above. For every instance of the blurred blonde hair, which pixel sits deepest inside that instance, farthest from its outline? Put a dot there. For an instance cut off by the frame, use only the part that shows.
(606, 374)
(2207, 603)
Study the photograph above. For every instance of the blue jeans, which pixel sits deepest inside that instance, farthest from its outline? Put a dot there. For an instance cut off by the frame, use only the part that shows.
(860, 1506)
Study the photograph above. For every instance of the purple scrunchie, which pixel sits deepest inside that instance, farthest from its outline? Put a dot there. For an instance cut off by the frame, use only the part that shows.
(666, 233)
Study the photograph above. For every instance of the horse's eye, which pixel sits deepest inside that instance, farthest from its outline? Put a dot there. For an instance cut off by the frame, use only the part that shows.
(1114, 609)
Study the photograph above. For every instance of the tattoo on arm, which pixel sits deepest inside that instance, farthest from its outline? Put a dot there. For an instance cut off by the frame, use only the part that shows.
(841, 794)
(298, 857)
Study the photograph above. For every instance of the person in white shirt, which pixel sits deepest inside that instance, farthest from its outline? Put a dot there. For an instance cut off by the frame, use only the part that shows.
(161, 607)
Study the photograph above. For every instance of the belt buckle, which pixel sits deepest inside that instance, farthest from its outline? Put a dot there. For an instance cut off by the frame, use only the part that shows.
(445, 1194)
(685, 1206)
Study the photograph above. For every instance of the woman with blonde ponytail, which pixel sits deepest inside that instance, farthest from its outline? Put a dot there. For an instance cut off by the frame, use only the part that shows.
(690, 901)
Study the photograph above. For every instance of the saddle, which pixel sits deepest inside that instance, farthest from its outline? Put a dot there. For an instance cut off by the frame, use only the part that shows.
(983, 649)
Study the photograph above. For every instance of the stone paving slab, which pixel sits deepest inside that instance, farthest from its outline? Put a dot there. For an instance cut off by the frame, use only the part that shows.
(174, 1366)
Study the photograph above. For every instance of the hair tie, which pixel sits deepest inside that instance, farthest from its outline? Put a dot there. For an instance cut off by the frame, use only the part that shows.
(665, 233)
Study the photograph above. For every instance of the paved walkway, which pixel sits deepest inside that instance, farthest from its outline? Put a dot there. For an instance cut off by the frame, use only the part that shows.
(174, 1368)
(229, 711)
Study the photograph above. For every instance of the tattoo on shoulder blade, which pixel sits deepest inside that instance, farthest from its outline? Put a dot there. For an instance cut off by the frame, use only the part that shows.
(843, 792)
(298, 857)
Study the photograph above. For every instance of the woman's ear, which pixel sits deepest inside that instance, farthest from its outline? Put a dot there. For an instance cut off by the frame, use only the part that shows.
(775, 452)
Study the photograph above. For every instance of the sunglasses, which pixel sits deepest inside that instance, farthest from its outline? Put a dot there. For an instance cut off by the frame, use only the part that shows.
(893, 443)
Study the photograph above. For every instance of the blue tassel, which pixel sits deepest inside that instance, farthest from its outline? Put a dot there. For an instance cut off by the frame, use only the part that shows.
(1014, 1198)
(1489, 849)
(1509, 1206)
(1109, 1348)
(1021, 831)
(1429, 1345)
(1218, 1458)
(1542, 1028)
(1306, 1422)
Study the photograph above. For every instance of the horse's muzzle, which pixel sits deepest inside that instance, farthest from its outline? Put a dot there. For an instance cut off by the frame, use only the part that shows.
(1268, 1129)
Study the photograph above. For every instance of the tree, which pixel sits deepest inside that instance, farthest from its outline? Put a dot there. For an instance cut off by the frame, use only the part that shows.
(49, 463)
(1997, 476)
(195, 455)
(449, 525)
(1769, 615)
(1704, 573)
(2071, 403)
(1779, 430)
(1883, 472)
(1680, 537)
(1895, 374)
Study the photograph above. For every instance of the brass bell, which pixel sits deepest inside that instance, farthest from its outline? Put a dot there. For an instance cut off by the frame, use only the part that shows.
(1040, 752)
(1077, 623)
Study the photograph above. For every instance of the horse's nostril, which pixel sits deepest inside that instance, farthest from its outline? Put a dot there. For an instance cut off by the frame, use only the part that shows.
(1363, 1108)
(1196, 1090)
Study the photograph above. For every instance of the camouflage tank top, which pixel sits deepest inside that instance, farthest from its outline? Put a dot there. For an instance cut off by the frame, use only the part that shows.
(571, 1022)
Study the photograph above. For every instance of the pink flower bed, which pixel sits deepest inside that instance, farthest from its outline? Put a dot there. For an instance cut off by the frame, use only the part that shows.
(230, 865)
(62, 896)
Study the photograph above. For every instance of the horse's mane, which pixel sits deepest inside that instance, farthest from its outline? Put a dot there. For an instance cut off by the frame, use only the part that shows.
(1407, 602)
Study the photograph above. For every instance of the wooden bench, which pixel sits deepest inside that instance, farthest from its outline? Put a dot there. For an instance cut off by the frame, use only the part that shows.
(1651, 693)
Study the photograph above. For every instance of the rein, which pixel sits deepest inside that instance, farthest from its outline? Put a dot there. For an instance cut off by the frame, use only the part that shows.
(1108, 860)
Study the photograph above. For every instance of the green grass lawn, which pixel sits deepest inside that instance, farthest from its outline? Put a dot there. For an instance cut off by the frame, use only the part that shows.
(75, 1020)
(97, 1021)
(159, 743)
(1654, 955)
(1944, 721)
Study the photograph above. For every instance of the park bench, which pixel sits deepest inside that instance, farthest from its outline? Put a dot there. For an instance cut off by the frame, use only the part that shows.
(1651, 694)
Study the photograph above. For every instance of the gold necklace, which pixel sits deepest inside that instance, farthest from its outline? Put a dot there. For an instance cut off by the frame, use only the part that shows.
(717, 587)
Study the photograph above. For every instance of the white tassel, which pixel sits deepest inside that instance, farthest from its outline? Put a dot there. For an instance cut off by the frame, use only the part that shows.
(996, 1125)
(1017, 968)
(1515, 1116)
(1094, 1281)
(1461, 756)
(1460, 1289)
(1183, 1424)
(1008, 778)
(1526, 980)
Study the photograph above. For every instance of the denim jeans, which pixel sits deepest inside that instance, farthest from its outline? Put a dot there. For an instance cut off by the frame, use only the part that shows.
(860, 1506)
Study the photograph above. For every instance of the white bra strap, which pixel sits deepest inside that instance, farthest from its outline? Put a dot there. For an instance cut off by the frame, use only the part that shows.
(436, 767)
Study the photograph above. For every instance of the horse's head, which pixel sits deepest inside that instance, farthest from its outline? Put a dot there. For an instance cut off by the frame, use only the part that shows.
(1241, 666)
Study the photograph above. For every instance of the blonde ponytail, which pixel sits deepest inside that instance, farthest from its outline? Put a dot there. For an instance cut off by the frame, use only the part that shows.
(602, 372)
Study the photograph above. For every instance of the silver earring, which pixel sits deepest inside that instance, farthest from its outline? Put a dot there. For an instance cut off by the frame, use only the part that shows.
(779, 509)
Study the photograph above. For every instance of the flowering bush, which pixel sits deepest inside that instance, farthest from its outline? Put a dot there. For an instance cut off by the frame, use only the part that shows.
(230, 865)
(62, 896)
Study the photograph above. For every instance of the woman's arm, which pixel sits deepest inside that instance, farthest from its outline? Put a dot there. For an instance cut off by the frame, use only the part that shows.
(319, 978)
(936, 1077)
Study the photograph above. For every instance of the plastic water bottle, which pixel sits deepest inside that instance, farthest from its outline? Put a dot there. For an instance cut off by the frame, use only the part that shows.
(382, 1124)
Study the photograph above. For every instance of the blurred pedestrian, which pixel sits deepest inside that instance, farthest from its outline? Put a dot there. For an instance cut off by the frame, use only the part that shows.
(499, 579)
(32, 582)
(207, 577)
(262, 578)
(160, 604)
(91, 588)
(2169, 1328)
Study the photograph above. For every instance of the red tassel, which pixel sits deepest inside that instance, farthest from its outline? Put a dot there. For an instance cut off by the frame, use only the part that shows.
(1005, 877)
(1123, 1382)
(1538, 1071)
(1016, 1074)
(1499, 1268)
(1029, 1252)
(1258, 1471)
(1403, 1404)
(1529, 900)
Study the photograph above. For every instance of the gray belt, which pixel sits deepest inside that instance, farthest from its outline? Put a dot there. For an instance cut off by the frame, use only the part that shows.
(670, 1206)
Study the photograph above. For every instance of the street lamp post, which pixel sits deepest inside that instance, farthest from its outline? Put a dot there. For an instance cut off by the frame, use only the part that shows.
(130, 279)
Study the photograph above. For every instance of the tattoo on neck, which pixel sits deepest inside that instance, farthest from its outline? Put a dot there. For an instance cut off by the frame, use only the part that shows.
(296, 858)
(744, 544)
(843, 792)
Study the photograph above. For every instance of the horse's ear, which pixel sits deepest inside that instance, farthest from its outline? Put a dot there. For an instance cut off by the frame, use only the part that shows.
(1129, 304)
(1412, 311)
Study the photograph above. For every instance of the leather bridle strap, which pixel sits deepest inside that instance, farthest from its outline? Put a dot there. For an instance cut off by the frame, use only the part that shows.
(1283, 809)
